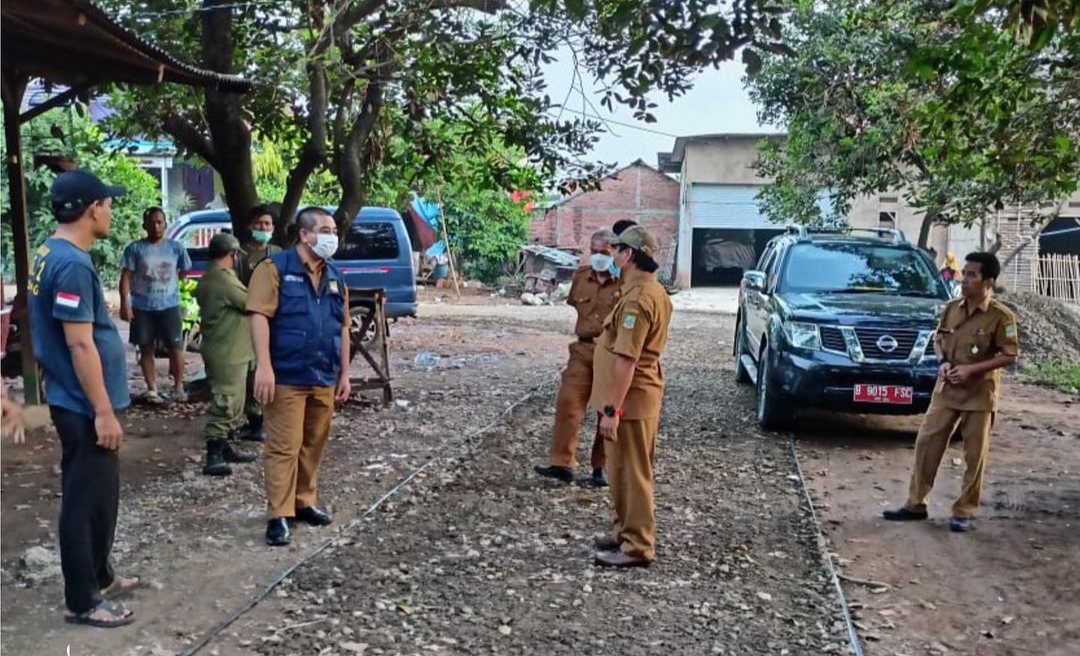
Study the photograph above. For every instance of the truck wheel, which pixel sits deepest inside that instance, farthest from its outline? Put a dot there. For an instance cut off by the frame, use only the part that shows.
(773, 412)
(742, 377)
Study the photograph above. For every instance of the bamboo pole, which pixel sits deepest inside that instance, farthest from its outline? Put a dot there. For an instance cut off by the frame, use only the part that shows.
(446, 240)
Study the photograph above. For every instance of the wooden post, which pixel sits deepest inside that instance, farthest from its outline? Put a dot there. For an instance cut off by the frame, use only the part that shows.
(13, 87)
(446, 240)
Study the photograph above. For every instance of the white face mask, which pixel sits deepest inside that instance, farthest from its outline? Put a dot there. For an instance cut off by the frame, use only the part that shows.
(325, 246)
(600, 262)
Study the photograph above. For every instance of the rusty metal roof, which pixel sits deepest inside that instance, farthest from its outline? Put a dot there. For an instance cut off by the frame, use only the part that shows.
(74, 43)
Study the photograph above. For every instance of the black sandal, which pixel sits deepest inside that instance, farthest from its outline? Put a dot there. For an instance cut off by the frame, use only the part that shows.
(121, 616)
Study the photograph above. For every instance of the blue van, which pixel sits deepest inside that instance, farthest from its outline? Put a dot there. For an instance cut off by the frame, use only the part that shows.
(375, 254)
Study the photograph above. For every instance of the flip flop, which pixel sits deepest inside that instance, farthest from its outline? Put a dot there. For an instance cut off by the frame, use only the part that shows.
(121, 587)
(121, 616)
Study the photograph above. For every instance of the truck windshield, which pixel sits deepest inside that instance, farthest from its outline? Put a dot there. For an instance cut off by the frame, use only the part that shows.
(858, 267)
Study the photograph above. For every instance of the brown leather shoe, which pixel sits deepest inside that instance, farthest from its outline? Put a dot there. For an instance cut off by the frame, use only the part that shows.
(619, 559)
(605, 542)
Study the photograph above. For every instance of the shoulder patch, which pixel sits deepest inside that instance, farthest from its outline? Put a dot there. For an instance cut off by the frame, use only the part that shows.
(1010, 330)
(629, 322)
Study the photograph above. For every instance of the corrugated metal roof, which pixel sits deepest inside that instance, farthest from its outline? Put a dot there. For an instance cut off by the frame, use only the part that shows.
(75, 43)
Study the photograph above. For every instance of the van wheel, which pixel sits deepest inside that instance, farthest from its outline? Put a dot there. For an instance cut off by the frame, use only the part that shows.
(742, 377)
(773, 412)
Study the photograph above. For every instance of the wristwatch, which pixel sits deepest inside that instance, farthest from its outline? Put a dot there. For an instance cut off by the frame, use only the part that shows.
(612, 411)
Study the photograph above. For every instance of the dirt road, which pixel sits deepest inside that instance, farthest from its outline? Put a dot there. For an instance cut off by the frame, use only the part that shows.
(478, 556)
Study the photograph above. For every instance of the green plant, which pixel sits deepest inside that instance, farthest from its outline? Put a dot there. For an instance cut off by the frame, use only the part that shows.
(1064, 376)
(69, 132)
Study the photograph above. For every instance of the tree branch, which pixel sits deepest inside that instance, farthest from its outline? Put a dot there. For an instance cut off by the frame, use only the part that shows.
(190, 137)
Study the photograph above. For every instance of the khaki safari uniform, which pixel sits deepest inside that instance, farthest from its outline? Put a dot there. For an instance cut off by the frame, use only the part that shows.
(593, 298)
(298, 419)
(637, 329)
(967, 334)
(226, 348)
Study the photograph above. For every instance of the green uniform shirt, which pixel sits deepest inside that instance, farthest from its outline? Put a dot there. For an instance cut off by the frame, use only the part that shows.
(250, 256)
(225, 327)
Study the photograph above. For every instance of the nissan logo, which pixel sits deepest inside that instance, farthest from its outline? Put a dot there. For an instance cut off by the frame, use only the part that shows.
(887, 343)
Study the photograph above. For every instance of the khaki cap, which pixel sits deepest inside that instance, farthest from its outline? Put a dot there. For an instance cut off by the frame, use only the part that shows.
(639, 239)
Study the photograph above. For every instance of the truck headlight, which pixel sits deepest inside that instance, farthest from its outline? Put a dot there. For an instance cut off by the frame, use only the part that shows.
(803, 335)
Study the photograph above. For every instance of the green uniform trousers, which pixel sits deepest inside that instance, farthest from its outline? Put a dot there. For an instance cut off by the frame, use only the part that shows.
(230, 388)
(252, 408)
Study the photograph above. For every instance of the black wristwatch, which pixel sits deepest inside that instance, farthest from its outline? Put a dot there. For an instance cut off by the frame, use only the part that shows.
(612, 411)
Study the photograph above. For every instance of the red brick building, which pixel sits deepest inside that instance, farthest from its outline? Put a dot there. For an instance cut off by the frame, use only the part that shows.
(637, 192)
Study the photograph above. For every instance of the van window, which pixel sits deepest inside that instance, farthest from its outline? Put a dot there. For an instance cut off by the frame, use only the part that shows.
(369, 241)
(198, 235)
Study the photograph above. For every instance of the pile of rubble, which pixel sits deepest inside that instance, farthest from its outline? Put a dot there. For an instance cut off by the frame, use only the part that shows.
(1049, 329)
(557, 295)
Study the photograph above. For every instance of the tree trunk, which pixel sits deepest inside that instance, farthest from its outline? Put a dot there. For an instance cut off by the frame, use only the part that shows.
(313, 154)
(229, 132)
(932, 215)
(352, 157)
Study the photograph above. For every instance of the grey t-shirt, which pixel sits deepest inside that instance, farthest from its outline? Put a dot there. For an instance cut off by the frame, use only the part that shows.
(155, 273)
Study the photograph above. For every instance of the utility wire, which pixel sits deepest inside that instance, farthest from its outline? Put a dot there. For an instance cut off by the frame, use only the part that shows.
(614, 122)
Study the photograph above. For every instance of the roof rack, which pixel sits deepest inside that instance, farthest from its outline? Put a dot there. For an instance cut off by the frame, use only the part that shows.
(898, 237)
(803, 233)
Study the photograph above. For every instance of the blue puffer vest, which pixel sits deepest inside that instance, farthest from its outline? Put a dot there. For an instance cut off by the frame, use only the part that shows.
(305, 333)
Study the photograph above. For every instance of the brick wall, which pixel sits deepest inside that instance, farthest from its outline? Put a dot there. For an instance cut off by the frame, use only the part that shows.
(637, 192)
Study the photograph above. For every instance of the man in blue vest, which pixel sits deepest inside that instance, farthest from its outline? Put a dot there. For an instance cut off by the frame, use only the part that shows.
(300, 329)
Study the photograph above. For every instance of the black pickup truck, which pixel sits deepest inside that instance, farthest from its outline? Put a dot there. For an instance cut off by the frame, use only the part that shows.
(839, 321)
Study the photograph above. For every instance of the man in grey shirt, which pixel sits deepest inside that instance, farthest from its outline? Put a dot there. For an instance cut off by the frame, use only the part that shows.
(150, 300)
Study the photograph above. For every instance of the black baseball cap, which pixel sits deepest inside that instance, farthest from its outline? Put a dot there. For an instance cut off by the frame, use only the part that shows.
(73, 191)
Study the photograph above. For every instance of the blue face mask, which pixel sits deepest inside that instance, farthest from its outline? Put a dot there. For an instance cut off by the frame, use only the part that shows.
(614, 270)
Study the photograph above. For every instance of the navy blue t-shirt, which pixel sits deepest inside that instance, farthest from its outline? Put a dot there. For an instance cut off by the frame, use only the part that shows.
(65, 288)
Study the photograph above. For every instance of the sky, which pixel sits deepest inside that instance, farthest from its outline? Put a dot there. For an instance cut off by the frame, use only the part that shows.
(717, 103)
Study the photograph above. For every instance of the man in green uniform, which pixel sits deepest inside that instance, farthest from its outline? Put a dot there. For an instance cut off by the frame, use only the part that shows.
(226, 351)
(256, 247)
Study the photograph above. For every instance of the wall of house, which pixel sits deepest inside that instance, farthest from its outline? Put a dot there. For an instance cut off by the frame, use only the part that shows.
(638, 193)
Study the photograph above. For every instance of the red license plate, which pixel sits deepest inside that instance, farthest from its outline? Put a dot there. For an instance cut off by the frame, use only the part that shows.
(891, 394)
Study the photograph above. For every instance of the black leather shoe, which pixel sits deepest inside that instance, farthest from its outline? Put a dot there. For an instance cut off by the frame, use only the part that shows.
(599, 478)
(313, 516)
(559, 473)
(277, 532)
(232, 455)
(904, 515)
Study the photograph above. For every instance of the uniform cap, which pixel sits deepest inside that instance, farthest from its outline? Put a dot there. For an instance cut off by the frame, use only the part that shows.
(222, 244)
(74, 191)
(639, 239)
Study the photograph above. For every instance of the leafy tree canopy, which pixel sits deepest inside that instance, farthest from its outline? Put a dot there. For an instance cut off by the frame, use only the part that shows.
(900, 94)
(337, 82)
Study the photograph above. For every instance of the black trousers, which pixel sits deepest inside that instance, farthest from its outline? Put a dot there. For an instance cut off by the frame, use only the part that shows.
(90, 479)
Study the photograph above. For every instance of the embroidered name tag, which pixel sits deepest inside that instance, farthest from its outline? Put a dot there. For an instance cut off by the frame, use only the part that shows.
(293, 278)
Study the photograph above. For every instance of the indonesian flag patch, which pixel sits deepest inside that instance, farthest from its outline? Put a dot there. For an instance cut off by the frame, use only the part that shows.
(63, 299)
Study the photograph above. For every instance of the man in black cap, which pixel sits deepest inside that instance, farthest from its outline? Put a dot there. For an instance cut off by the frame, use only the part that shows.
(83, 358)
(226, 351)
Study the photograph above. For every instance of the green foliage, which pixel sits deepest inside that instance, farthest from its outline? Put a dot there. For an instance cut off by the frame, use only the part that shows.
(271, 173)
(898, 95)
(1062, 376)
(487, 229)
(82, 142)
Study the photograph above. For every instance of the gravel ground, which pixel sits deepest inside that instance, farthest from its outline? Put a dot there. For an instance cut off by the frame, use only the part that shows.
(478, 556)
